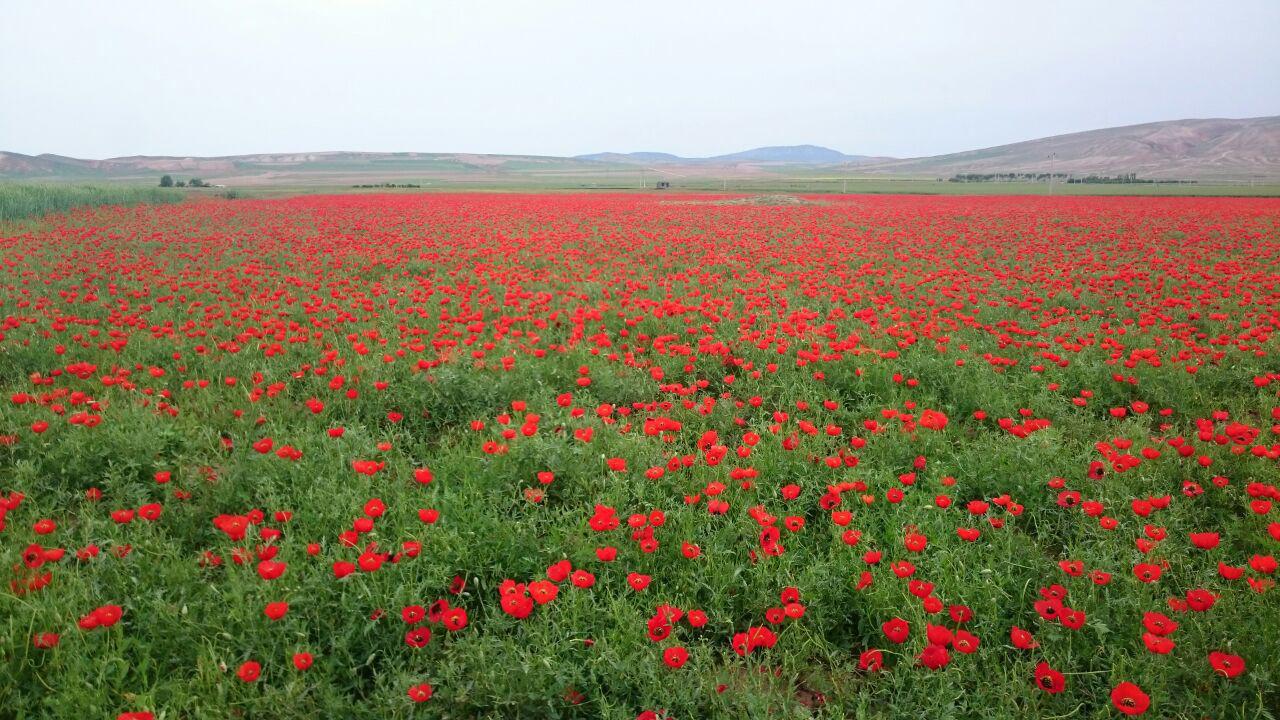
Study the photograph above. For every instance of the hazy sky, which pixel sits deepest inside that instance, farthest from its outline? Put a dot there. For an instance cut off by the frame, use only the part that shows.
(96, 78)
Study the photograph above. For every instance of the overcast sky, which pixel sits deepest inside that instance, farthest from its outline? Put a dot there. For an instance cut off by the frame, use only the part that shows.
(695, 77)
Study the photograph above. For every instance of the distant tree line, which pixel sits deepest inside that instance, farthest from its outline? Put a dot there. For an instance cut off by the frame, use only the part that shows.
(388, 185)
(1131, 178)
(1123, 179)
(167, 181)
(1006, 177)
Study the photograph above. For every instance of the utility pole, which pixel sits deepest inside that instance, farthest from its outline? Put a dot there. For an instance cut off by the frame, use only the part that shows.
(1052, 156)
(642, 178)
(844, 186)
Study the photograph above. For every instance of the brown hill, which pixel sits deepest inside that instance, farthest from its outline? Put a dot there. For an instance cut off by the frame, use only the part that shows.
(1217, 149)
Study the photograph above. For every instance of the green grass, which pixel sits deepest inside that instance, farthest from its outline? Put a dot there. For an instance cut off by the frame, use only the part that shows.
(917, 186)
(19, 201)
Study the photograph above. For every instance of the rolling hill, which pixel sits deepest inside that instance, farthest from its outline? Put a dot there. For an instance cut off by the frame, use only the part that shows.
(302, 168)
(633, 157)
(774, 154)
(787, 154)
(374, 167)
(1217, 149)
(1204, 150)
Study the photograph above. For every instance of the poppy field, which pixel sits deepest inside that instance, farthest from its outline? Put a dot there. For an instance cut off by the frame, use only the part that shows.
(623, 455)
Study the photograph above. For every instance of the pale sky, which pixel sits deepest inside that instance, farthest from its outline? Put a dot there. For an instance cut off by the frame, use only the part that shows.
(104, 78)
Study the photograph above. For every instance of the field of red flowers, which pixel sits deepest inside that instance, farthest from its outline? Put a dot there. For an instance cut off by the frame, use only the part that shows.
(618, 456)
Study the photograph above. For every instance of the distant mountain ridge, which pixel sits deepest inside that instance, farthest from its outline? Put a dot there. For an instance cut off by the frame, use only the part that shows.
(1196, 149)
(638, 157)
(782, 154)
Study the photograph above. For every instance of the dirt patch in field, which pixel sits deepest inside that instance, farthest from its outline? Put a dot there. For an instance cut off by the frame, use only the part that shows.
(769, 200)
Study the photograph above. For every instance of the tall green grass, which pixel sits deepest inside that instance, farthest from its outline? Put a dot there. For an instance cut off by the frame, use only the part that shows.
(19, 201)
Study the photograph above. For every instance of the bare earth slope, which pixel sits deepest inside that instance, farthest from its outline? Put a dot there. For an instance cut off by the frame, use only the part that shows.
(1176, 149)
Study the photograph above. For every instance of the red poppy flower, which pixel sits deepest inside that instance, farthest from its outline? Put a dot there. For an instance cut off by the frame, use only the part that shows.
(1049, 680)
(45, 640)
(1022, 639)
(517, 605)
(1158, 623)
(418, 637)
(965, 642)
(270, 569)
(454, 619)
(896, 630)
(1226, 665)
(1147, 572)
(249, 671)
(367, 467)
(1264, 564)
(1072, 618)
(637, 581)
(543, 591)
(1129, 699)
(933, 420)
(1074, 568)
(1158, 645)
(934, 657)
(104, 617)
(421, 692)
(1200, 599)
(1205, 540)
(937, 634)
(871, 660)
(744, 643)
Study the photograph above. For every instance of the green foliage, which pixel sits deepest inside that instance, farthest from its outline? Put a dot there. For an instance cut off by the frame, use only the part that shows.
(32, 200)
